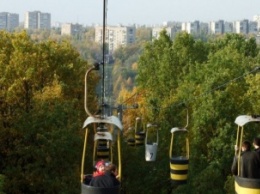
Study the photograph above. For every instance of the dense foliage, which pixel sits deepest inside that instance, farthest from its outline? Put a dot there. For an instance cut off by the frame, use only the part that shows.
(41, 102)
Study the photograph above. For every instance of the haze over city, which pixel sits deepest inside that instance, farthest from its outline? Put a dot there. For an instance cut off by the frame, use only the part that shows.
(147, 12)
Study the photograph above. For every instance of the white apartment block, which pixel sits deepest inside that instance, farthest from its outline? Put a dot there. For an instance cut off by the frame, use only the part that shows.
(116, 36)
(37, 20)
(241, 27)
(191, 27)
(8, 21)
(71, 29)
(256, 18)
(216, 27)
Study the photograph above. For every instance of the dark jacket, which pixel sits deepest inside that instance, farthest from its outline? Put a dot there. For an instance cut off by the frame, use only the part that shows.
(257, 150)
(107, 180)
(250, 165)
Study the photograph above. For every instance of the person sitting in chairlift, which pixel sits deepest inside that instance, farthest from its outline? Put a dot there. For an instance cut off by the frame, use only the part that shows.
(99, 170)
(108, 179)
(249, 163)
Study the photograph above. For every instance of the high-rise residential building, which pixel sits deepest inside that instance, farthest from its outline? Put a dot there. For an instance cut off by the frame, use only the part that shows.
(252, 27)
(228, 27)
(216, 27)
(204, 27)
(116, 36)
(191, 27)
(241, 27)
(3, 20)
(45, 21)
(37, 20)
(13, 21)
(8, 21)
(71, 29)
(256, 18)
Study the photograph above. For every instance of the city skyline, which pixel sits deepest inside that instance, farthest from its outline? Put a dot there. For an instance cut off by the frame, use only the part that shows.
(136, 12)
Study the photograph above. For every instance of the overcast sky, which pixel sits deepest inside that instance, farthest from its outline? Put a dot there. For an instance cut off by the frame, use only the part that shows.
(126, 12)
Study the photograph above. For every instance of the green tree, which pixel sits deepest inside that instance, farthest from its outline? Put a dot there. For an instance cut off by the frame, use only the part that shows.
(41, 103)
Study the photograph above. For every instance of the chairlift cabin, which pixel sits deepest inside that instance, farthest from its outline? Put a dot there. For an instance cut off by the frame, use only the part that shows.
(131, 137)
(151, 142)
(107, 134)
(179, 156)
(244, 185)
(139, 132)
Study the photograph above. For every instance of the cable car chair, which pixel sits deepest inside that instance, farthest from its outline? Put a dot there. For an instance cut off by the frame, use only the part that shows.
(102, 152)
(244, 185)
(139, 132)
(131, 138)
(151, 146)
(179, 163)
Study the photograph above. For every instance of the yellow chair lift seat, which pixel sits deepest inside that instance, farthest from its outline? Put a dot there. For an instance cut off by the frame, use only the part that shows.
(102, 138)
(179, 164)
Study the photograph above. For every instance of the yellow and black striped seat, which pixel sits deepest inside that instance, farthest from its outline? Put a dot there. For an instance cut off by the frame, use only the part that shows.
(103, 152)
(179, 170)
(139, 138)
(131, 142)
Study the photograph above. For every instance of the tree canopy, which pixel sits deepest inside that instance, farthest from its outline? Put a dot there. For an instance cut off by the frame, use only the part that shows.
(41, 102)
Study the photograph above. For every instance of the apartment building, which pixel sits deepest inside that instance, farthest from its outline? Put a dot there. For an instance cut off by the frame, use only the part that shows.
(252, 27)
(256, 18)
(37, 20)
(241, 27)
(116, 36)
(228, 27)
(204, 28)
(216, 27)
(8, 21)
(71, 29)
(191, 27)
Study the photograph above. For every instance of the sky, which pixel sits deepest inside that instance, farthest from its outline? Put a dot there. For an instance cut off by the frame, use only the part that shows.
(143, 12)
